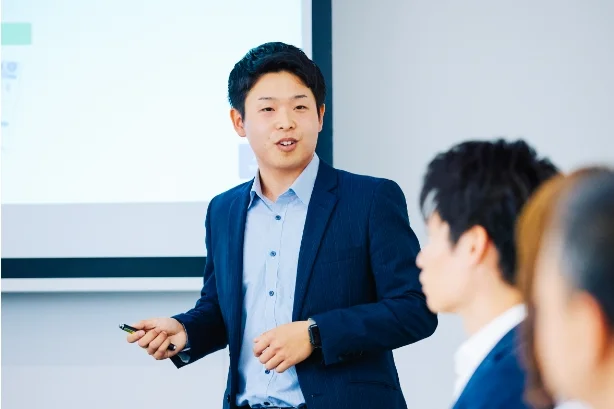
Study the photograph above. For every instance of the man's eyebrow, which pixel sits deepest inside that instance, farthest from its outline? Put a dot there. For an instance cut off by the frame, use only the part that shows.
(299, 96)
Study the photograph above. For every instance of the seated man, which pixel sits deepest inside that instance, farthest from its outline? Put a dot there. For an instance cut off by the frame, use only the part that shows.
(471, 197)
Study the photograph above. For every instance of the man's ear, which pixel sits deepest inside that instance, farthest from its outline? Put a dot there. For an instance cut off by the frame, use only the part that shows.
(321, 111)
(237, 122)
(475, 244)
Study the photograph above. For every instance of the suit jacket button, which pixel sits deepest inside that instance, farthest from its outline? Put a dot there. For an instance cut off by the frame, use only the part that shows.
(227, 398)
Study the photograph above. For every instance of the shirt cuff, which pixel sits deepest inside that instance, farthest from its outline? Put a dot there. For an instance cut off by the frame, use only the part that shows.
(187, 340)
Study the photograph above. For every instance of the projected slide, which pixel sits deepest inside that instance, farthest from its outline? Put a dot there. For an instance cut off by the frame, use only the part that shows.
(16, 39)
(125, 101)
(116, 130)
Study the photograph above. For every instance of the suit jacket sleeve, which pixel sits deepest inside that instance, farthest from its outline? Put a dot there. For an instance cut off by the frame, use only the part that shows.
(400, 316)
(204, 323)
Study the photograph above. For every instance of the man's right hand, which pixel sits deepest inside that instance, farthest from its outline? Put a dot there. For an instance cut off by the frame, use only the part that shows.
(156, 334)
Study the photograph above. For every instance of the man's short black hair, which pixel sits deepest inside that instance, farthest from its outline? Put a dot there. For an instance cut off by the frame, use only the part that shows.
(484, 183)
(586, 220)
(273, 57)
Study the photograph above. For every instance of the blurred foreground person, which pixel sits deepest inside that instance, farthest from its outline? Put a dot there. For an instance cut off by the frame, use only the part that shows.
(533, 219)
(574, 294)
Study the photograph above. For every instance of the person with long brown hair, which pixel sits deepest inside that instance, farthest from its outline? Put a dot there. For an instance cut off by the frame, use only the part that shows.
(532, 221)
(573, 294)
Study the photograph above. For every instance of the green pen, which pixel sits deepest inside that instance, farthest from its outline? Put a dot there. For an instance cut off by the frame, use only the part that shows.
(132, 330)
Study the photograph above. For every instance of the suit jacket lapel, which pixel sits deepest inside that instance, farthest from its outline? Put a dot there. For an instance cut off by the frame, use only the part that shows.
(503, 346)
(321, 206)
(237, 217)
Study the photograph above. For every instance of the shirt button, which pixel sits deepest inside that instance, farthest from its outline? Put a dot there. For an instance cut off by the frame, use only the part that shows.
(273, 253)
(271, 293)
(267, 372)
(278, 217)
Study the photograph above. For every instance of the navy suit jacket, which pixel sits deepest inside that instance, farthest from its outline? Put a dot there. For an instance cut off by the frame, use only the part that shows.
(499, 381)
(357, 278)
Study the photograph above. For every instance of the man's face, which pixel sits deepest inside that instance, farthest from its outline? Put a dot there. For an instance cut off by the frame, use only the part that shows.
(445, 276)
(281, 122)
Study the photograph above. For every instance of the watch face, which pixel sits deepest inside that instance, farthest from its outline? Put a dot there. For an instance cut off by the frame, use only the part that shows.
(314, 336)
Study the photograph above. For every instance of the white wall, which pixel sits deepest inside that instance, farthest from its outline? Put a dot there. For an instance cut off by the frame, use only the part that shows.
(66, 351)
(410, 78)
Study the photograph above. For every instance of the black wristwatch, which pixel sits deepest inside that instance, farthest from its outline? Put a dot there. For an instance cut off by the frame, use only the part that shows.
(314, 334)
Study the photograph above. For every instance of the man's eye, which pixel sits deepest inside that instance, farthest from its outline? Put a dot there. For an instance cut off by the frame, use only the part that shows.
(267, 109)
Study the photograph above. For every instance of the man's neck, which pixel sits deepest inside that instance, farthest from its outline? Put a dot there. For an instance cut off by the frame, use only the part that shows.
(484, 308)
(275, 182)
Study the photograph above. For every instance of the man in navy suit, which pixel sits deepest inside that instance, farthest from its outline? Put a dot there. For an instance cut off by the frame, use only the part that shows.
(471, 197)
(310, 277)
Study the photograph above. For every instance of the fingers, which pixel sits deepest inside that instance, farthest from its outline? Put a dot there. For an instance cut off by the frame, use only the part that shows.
(266, 356)
(145, 324)
(283, 367)
(262, 343)
(162, 351)
(142, 326)
(274, 362)
(155, 344)
(135, 336)
(155, 334)
(147, 338)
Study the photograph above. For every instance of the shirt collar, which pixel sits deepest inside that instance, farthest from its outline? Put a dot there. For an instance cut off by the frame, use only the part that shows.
(473, 351)
(302, 186)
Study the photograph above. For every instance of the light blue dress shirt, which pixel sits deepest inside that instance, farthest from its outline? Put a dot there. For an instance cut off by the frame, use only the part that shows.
(273, 234)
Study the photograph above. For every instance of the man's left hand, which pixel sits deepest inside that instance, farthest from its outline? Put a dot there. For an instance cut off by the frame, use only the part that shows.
(284, 346)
